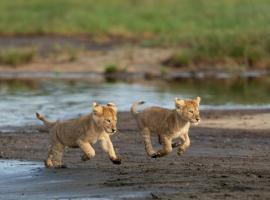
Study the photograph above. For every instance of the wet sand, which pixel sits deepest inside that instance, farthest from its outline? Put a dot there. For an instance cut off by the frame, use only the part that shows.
(228, 159)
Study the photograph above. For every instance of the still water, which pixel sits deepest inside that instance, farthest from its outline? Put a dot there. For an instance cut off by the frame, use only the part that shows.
(56, 99)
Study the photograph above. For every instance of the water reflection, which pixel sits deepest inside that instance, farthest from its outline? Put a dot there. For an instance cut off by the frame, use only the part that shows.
(20, 99)
(241, 91)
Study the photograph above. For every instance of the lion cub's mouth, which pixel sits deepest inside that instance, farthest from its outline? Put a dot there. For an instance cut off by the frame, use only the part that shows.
(111, 132)
(195, 122)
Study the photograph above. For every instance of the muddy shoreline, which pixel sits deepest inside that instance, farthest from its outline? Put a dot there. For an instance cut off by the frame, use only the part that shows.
(139, 76)
(115, 59)
(222, 163)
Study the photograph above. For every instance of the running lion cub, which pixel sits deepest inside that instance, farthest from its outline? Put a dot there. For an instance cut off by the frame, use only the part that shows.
(168, 125)
(83, 132)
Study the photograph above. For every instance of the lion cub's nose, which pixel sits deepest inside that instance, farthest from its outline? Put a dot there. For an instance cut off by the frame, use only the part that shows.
(198, 119)
(114, 130)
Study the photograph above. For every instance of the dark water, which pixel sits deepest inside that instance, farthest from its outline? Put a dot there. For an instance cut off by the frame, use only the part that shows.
(20, 99)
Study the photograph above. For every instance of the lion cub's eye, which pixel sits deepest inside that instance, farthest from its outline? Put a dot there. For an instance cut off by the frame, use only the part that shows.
(191, 111)
(108, 120)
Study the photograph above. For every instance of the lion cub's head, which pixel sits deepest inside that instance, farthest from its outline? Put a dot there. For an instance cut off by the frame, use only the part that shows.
(189, 109)
(105, 117)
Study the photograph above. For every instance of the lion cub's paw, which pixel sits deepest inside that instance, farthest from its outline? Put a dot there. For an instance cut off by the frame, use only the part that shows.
(60, 167)
(48, 163)
(116, 161)
(180, 152)
(84, 157)
(155, 155)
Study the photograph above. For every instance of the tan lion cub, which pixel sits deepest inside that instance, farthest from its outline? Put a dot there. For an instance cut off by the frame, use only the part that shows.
(82, 133)
(167, 124)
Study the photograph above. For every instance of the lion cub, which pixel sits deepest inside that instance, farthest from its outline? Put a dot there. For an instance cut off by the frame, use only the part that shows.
(83, 132)
(167, 124)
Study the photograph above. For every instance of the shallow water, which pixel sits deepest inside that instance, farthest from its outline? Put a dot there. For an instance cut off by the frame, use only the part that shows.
(14, 168)
(30, 180)
(20, 99)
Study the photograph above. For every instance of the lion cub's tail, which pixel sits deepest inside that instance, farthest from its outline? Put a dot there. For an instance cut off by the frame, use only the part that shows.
(133, 108)
(46, 122)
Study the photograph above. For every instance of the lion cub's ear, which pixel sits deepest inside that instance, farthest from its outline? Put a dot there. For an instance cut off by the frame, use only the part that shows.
(198, 100)
(113, 106)
(179, 102)
(97, 109)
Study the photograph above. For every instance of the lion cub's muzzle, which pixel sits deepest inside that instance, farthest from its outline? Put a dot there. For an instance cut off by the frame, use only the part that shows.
(196, 121)
(114, 131)
(111, 131)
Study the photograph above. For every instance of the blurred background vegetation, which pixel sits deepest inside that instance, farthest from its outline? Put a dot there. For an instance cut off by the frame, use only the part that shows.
(208, 31)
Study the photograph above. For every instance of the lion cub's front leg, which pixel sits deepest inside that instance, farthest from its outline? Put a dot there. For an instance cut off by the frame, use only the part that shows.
(88, 150)
(186, 143)
(167, 147)
(107, 146)
(178, 143)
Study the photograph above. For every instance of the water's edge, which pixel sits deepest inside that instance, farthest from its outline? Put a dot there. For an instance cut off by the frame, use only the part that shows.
(63, 99)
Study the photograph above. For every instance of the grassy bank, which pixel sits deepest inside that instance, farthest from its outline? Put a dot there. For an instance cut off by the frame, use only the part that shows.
(16, 56)
(170, 20)
(240, 51)
(197, 25)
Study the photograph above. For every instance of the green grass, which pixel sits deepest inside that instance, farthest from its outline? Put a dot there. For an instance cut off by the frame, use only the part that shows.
(242, 51)
(167, 20)
(68, 52)
(14, 57)
(242, 26)
(111, 68)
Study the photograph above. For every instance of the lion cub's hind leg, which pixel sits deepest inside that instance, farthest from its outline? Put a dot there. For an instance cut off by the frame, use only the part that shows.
(147, 141)
(48, 162)
(167, 147)
(55, 154)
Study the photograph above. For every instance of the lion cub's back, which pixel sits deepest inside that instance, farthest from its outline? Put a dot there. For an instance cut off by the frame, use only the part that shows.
(69, 131)
(153, 115)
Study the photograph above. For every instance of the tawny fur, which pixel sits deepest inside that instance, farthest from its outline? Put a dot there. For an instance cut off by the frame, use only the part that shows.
(168, 125)
(82, 133)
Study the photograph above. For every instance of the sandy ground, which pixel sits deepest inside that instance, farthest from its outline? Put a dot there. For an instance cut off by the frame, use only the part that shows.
(228, 159)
